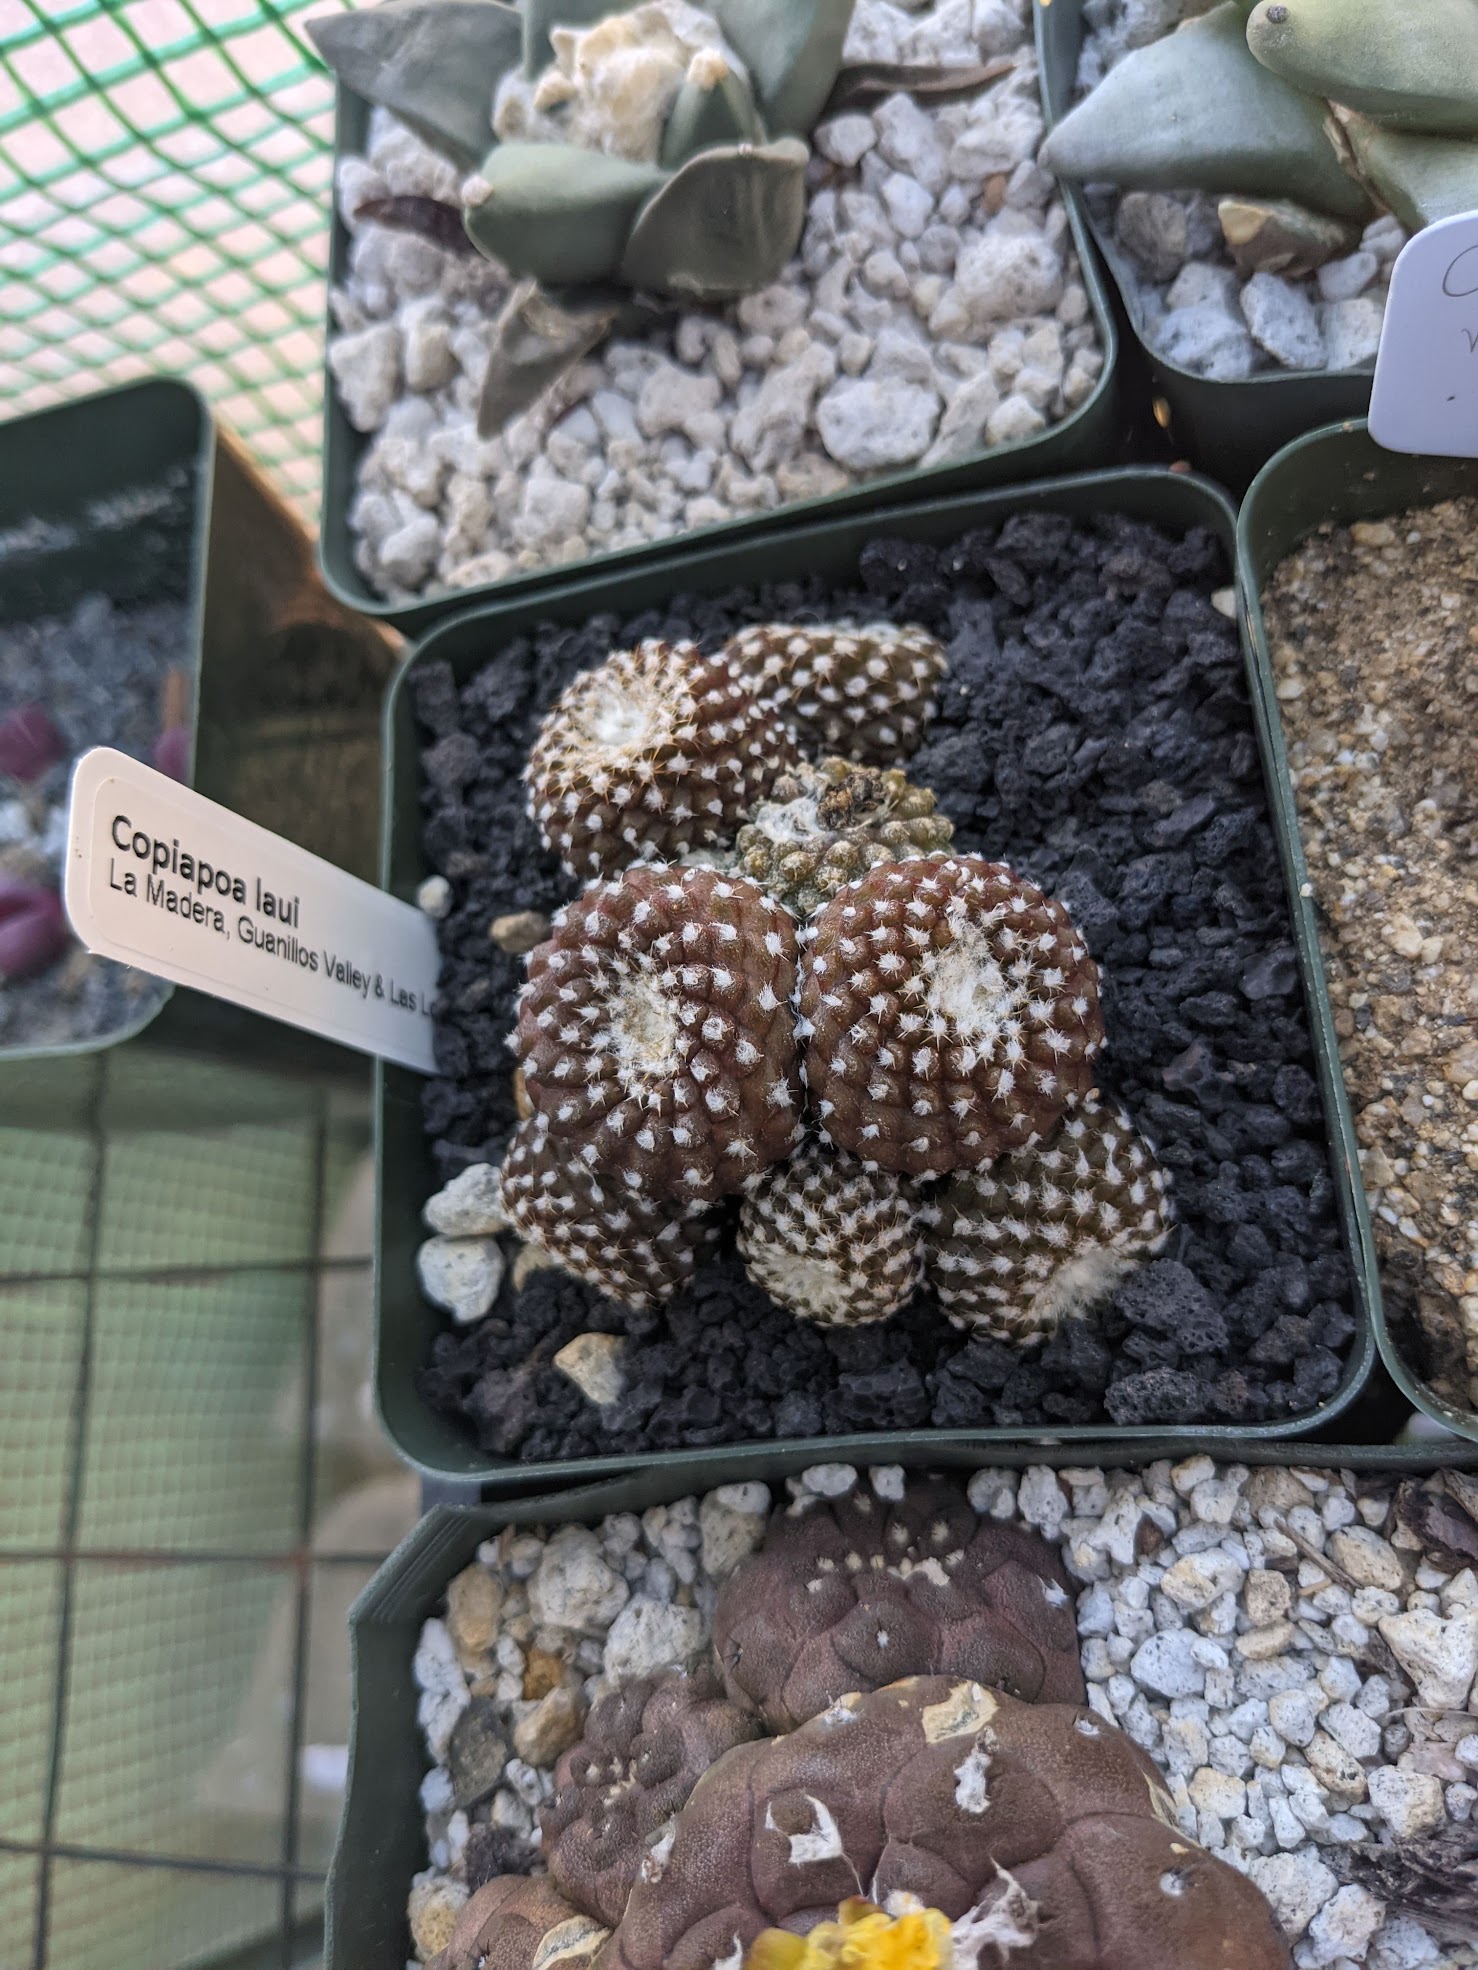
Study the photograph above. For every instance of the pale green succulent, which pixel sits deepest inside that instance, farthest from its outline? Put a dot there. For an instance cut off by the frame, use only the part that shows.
(1333, 104)
(714, 212)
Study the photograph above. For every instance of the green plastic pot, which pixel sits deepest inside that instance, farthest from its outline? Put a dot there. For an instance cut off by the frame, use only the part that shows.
(406, 1324)
(285, 683)
(1083, 439)
(1226, 429)
(1330, 478)
(382, 1841)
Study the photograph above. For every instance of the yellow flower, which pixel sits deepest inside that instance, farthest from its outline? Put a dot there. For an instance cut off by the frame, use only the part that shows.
(863, 1937)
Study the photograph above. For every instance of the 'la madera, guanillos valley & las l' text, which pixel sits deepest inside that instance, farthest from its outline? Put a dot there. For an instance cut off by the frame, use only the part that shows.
(164, 876)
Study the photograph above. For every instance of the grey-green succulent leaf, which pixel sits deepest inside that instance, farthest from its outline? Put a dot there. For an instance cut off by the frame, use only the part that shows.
(708, 113)
(1422, 179)
(539, 16)
(725, 224)
(1196, 112)
(536, 339)
(793, 50)
(861, 84)
(555, 212)
(436, 64)
(1408, 64)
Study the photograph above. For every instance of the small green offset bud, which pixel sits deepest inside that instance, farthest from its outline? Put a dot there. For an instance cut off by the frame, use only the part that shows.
(714, 106)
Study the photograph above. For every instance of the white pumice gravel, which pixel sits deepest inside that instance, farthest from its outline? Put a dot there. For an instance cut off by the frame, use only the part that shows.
(1185, 294)
(936, 308)
(1283, 1648)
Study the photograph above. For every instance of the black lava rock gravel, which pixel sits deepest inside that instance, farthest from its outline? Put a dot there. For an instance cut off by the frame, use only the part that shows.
(1094, 732)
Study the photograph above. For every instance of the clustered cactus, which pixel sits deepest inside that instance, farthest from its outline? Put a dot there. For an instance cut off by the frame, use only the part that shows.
(614, 150)
(824, 825)
(904, 1776)
(1323, 107)
(785, 989)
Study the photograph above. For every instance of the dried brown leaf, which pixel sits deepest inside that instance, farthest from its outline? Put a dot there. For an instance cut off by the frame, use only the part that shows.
(861, 84)
(1446, 1528)
(431, 218)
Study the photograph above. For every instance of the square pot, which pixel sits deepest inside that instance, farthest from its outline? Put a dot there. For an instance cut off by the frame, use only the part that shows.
(1331, 478)
(1226, 429)
(285, 683)
(406, 1323)
(381, 1842)
(1082, 439)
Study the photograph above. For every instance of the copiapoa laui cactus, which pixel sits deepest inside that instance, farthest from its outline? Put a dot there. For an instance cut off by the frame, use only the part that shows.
(1301, 116)
(617, 153)
(755, 910)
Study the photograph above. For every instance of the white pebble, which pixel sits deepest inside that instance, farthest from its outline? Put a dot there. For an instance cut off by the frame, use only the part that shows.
(461, 1275)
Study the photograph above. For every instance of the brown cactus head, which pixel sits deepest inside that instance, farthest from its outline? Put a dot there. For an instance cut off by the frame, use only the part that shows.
(602, 1229)
(657, 751)
(1049, 1232)
(951, 1013)
(830, 1239)
(517, 1922)
(842, 1596)
(656, 1032)
(866, 693)
(645, 1747)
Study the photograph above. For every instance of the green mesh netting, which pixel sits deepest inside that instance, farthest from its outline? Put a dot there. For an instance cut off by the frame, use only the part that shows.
(164, 189)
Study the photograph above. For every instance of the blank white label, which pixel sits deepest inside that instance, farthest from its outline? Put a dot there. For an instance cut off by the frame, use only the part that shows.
(1425, 397)
(161, 878)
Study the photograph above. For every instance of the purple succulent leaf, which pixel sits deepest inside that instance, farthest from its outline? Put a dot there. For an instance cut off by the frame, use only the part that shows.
(29, 743)
(33, 927)
(172, 753)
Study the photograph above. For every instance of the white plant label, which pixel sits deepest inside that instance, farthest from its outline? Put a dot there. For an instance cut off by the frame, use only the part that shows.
(1425, 397)
(161, 878)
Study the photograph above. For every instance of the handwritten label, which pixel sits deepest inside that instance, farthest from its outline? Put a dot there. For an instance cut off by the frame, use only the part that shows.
(1425, 397)
(160, 878)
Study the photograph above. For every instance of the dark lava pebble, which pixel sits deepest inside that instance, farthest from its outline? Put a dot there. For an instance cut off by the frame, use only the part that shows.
(1094, 731)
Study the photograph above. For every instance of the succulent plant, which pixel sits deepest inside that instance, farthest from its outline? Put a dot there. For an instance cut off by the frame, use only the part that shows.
(1330, 105)
(29, 743)
(823, 826)
(645, 1747)
(171, 753)
(1031, 1828)
(830, 1239)
(866, 692)
(848, 1592)
(950, 1012)
(1015, 1248)
(656, 148)
(656, 1034)
(608, 1232)
(655, 752)
(33, 927)
(1405, 68)
(520, 1922)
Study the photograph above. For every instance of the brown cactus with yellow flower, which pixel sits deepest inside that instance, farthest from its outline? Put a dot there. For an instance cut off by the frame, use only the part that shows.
(987, 1833)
